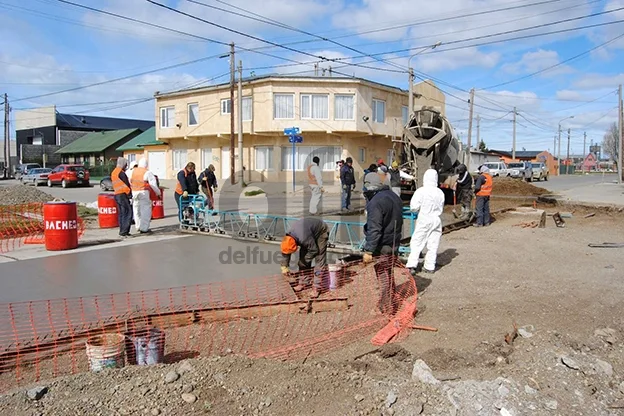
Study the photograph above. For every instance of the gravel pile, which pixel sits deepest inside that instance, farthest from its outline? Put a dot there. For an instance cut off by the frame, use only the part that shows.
(510, 186)
(19, 194)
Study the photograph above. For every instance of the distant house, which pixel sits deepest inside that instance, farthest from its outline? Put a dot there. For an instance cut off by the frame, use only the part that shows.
(478, 158)
(97, 148)
(41, 132)
(530, 156)
(589, 163)
(138, 147)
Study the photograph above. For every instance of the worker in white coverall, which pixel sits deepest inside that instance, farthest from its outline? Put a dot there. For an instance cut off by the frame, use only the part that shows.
(315, 178)
(428, 201)
(143, 182)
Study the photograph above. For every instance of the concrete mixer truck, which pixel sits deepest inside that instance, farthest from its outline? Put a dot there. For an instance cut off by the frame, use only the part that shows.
(428, 141)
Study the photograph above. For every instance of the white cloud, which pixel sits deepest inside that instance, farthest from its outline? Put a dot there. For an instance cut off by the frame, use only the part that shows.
(536, 61)
(569, 95)
(461, 58)
(596, 81)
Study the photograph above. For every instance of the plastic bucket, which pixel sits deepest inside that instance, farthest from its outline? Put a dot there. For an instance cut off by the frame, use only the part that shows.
(108, 216)
(334, 282)
(61, 225)
(145, 347)
(106, 351)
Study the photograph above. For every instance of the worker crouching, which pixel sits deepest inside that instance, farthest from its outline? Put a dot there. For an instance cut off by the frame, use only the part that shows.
(310, 236)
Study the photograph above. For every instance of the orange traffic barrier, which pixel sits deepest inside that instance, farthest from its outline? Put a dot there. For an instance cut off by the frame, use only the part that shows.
(108, 214)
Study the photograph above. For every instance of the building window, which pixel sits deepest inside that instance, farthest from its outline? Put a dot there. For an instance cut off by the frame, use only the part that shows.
(206, 158)
(226, 106)
(37, 140)
(193, 114)
(179, 159)
(343, 107)
(362, 153)
(264, 157)
(284, 106)
(77, 159)
(379, 111)
(405, 114)
(131, 157)
(329, 155)
(167, 117)
(247, 108)
(315, 106)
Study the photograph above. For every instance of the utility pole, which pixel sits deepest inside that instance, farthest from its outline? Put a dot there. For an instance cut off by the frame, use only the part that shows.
(7, 139)
(240, 122)
(568, 157)
(232, 142)
(620, 132)
(471, 101)
(559, 153)
(584, 154)
(411, 92)
(554, 146)
(478, 130)
(513, 147)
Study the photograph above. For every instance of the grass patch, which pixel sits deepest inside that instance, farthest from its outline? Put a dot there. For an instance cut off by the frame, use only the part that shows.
(86, 212)
(254, 193)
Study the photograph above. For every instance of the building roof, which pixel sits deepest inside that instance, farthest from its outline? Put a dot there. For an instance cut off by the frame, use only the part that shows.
(520, 154)
(76, 121)
(147, 138)
(96, 142)
(298, 78)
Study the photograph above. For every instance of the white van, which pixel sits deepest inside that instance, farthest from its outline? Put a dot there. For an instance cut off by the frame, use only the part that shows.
(496, 168)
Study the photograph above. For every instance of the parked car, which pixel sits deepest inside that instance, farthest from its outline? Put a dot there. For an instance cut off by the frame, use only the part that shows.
(106, 184)
(23, 169)
(540, 171)
(36, 176)
(67, 175)
(496, 168)
(522, 170)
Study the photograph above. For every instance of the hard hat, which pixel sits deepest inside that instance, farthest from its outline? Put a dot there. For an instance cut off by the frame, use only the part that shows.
(289, 245)
(380, 162)
(395, 164)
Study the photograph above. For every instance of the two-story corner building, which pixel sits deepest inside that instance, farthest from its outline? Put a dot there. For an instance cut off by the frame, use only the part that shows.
(338, 118)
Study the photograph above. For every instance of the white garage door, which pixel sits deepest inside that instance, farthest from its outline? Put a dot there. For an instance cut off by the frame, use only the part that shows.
(225, 162)
(157, 164)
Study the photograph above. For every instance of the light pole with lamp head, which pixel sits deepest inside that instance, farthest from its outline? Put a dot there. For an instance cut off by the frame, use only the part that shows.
(411, 76)
(559, 150)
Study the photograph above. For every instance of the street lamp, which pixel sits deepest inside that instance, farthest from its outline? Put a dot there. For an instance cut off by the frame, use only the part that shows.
(411, 75)
(559, 150)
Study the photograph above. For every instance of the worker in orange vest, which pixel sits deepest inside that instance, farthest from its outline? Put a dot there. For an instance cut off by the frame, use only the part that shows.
(483, 190)
(143, 182)
(123, 195)
(315, 178)
(187, 184)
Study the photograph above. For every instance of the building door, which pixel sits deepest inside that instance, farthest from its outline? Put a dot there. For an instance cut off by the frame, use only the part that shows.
(156, 161)
(225, 162)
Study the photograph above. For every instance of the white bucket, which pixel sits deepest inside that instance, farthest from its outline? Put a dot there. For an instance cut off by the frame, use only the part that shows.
(106, 351)
(333, 276)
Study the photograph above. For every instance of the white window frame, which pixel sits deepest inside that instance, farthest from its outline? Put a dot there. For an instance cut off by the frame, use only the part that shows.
(404, 114)
(164, 117)
(292, 110)
(375, 114)
(190, 112)
(226, 106)
(131, 157)
(311, 115)
(271, 162)
(362, 154)
(352, 96)
(205, 162)
(300, 164)
(247, 117)
(183, 159)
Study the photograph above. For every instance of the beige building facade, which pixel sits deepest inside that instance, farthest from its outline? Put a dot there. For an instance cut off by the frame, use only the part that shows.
(337, 117)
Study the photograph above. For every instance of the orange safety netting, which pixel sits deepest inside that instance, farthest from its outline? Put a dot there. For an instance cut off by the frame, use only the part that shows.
(23, 224)
(255, 317)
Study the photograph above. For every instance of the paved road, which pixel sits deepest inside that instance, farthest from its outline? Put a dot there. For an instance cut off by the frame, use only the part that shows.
(594, 188)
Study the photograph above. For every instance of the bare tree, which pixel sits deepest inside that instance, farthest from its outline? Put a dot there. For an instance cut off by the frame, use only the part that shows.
(610, 141)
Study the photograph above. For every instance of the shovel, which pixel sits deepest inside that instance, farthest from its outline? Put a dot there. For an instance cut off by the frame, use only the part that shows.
(455, 205)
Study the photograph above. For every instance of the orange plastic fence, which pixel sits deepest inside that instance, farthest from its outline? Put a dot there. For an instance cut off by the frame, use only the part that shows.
(23, 224)
(256, 317)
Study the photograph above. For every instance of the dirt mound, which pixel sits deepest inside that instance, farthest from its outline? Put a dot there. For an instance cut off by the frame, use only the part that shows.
(22, 194)
(508, 186)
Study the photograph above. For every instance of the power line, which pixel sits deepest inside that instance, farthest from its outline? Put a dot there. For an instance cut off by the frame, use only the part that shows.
(557, 64)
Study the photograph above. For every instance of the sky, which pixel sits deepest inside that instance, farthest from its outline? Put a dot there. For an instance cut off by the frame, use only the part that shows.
(551, 59)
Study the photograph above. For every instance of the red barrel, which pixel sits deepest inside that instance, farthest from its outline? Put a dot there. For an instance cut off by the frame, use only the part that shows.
(158, 206)
(107, 211)
(61, 225)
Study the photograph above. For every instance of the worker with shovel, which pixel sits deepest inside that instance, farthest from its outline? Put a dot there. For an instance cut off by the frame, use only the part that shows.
(311, 236)
(463, 191)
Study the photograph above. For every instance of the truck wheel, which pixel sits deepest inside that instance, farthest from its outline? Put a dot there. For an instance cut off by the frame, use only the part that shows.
(546, 177)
